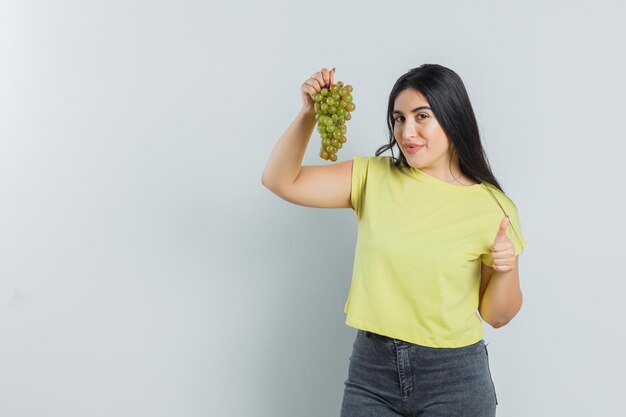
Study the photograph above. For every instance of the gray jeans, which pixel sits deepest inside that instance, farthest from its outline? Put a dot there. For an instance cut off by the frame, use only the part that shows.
(389, 378)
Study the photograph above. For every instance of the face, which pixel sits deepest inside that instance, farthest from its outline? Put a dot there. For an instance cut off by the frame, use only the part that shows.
(421, 128)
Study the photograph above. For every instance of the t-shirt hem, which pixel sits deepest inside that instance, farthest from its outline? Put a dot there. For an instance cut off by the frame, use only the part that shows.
(398, 334)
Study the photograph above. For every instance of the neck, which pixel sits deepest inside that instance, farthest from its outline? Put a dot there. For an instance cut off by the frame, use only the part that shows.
(449, 172)
(446, 172)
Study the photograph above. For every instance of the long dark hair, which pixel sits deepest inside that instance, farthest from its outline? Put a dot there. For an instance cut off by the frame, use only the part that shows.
(445, 92)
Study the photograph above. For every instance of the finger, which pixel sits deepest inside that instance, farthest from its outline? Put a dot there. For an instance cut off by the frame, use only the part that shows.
(316, 78)
(501, 235)
(332, 76)
(319, 78)
(503, 246)
(326, 76)
(315, 84)
(504, 260)
(310, 90)
(501, 261)
(500, 265)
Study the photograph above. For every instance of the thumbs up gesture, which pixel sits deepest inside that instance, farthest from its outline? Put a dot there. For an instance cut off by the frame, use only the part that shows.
(502, 250)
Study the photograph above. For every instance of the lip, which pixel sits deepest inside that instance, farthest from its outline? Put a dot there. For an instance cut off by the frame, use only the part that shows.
(413, 148)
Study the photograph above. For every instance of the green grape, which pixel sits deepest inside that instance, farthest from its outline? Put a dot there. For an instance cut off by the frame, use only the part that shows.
(333, 105)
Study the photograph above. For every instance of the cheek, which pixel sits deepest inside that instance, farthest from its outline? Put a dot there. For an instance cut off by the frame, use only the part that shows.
(432, 130)
(438, 137)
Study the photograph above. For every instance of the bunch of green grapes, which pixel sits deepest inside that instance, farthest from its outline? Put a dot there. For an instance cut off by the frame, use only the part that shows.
(332, 108)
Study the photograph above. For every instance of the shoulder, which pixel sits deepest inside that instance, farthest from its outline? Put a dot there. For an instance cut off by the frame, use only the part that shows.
(382, 162)
(378, 168)
(376, 162)
(372, 159)
(514, 231)
(503, 200)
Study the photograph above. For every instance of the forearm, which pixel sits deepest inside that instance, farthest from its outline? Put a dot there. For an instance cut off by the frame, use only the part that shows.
(285, 161)
(502, 299)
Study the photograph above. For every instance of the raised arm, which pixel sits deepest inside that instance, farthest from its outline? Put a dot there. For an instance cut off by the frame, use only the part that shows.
(313, 186)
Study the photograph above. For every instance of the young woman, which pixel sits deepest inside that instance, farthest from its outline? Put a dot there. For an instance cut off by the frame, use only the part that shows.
(437, 248)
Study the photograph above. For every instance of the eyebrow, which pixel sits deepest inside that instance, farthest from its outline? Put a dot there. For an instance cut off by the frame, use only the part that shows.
(414, 110)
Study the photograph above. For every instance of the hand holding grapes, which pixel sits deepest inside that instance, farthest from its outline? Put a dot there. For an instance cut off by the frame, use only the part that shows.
(332, 104)
(321, 79)
(502, 250)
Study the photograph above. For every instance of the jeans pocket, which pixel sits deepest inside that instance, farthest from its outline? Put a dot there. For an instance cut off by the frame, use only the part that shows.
(490, 377)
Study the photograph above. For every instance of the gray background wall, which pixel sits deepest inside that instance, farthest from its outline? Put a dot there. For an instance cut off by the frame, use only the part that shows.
(144, 269)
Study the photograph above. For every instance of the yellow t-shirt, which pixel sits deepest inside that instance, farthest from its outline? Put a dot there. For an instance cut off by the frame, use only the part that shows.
(419, 250)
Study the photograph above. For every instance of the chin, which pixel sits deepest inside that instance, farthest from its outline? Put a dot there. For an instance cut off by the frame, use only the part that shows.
(414, 163)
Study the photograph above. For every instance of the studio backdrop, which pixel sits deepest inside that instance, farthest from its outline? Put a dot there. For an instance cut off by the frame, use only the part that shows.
(146, 271)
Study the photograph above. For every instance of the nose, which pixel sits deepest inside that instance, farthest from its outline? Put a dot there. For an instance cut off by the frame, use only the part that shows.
(409, 130)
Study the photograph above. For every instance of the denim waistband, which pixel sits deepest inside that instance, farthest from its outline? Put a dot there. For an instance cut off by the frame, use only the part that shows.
(399, 342)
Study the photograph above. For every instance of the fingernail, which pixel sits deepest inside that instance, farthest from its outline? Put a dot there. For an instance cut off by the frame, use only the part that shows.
(333, 69)
(327, 85)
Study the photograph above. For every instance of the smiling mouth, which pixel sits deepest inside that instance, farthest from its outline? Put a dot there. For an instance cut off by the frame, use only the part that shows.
(413, 148)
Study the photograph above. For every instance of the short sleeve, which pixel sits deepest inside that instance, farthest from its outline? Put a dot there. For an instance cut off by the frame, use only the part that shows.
(359, 177)
(513, 231)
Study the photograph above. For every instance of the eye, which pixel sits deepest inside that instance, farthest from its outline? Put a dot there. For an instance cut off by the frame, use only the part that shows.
(418, 116)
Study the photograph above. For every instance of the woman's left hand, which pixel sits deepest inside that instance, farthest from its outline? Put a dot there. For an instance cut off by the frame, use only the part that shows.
(502, 250)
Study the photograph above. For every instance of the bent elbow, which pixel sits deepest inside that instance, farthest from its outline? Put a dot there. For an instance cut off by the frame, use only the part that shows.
(498, 324)
(268, 184)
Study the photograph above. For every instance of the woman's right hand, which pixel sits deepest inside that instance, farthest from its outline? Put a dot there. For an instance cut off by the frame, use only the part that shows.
(314, 85)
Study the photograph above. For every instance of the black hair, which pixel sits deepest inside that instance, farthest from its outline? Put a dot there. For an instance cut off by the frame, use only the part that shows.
(445, 92)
